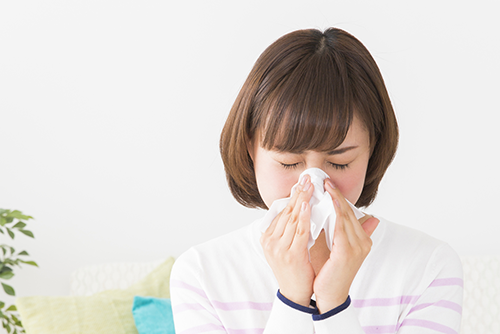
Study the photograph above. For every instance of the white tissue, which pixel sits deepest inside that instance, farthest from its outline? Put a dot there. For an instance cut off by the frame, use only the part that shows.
(323, 214)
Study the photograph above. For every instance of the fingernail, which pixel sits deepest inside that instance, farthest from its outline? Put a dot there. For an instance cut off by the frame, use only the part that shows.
(330, 183)
(303, 208)
(306, 187)
(303, 180)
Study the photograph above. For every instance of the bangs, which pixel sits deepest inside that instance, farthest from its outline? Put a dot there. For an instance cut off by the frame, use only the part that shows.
(311, 108)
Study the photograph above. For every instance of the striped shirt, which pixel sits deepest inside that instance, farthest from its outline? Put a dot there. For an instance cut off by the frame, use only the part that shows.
(409, 283)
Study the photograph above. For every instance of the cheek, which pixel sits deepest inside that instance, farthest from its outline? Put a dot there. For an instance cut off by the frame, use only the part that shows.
(350, 184)
(273, 184)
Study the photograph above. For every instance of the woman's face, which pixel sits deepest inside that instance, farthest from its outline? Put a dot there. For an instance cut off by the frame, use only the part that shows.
(277, 172)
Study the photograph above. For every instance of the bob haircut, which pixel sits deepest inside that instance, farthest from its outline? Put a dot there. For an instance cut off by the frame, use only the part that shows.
(302, 94)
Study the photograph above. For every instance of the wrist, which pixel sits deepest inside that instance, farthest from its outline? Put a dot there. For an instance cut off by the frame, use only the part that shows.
(300, 299)
(325, 315)
(326, 305)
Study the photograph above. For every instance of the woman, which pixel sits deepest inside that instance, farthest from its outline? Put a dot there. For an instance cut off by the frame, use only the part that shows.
(315, 100)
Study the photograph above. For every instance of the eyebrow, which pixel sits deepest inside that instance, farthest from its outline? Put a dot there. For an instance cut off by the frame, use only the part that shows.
(341, 150)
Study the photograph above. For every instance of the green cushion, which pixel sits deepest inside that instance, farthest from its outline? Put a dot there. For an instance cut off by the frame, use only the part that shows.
(107, 312)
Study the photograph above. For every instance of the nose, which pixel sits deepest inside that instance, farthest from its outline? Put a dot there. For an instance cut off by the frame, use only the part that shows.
(315, 162)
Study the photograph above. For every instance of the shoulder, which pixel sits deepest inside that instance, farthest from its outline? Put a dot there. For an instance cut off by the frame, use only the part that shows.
(216, 255)
(411, 276)
(414, 253)
(407, 241)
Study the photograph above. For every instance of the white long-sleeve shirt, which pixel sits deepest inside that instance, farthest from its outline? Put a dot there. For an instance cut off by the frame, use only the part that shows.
(409, 283)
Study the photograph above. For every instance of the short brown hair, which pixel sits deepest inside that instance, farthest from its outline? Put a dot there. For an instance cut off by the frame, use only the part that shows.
(302, 94)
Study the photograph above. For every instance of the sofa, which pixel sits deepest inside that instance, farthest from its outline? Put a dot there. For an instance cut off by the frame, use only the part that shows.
(480, 313)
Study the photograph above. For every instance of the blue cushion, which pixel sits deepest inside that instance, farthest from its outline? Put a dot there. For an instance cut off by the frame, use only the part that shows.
(153, 315)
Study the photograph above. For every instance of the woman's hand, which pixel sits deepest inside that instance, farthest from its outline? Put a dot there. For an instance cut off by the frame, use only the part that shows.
(285, 246)
(351, 245)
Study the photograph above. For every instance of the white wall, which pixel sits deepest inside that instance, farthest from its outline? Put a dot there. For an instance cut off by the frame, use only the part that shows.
(110, 114)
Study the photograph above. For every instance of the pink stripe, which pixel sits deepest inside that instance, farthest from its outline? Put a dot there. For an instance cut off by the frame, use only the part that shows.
(442, 303)
(429, 324)
(248, 305)
(183, 285)
(401, 300)
(447, 282)
(246, 331)
(222, 306)
(203, 329)
(179, 308)
(225, 306)
(214, 327)
(379, 329)
(229, 306)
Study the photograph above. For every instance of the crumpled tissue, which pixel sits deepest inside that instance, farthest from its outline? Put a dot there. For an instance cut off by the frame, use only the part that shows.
(323, 214)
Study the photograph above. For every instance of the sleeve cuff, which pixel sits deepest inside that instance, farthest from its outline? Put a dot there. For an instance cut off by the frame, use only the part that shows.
(312, 309)
(332, 312)
(286, 319)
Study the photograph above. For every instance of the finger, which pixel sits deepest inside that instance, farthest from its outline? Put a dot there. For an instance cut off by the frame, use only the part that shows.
(370, 225)
(358, 229)
(272, 226)
(299, 189)
(345, 215)
(289, 233)
(289, 211)
(303, 197)
(352, 226)
(281, 221)
(339, 237)
(337, 195)
(302, 231)
(365, 226)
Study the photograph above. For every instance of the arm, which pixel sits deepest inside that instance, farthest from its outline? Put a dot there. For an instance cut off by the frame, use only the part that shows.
(196, 311)
(439, 307)
(192, 310)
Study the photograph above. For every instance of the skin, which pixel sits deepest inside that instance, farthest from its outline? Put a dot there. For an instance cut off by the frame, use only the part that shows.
(327, 274)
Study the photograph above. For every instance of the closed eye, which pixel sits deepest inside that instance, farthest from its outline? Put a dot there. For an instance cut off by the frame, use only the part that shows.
(339, 167)
(289, 166)
(336, 166)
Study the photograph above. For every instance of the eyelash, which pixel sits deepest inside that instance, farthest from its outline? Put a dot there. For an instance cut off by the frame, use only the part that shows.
(336, 166)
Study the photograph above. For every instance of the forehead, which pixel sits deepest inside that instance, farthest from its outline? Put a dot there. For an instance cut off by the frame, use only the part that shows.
(357, 134)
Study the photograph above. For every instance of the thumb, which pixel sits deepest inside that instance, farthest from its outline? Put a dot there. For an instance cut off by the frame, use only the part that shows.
(370, 225)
